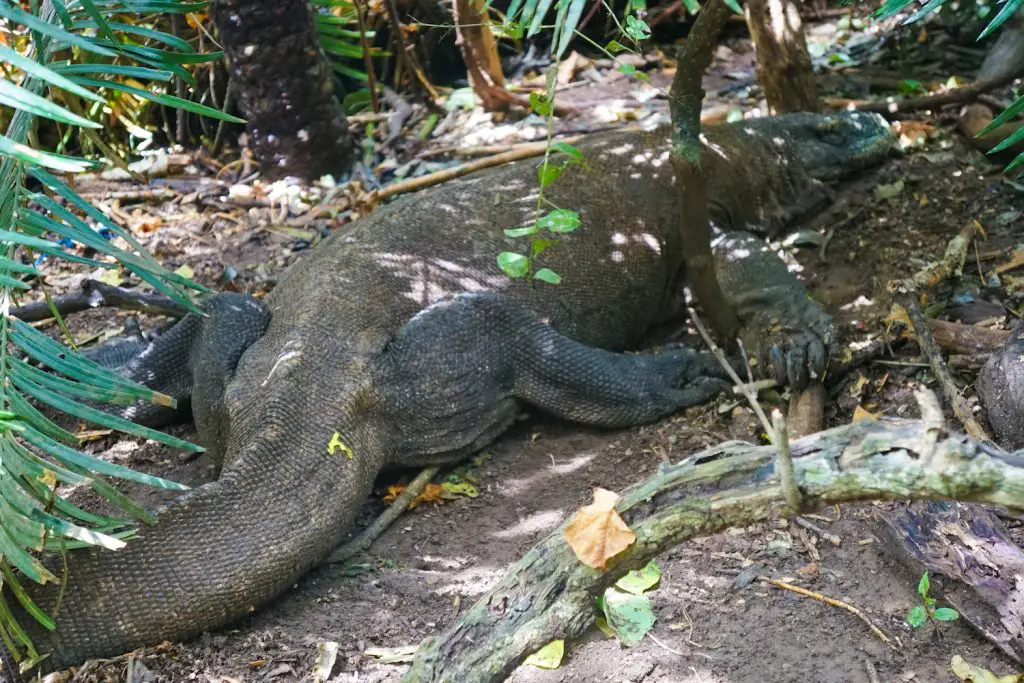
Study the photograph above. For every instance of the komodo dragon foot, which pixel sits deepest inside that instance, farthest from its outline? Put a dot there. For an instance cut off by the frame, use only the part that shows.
(784, 329)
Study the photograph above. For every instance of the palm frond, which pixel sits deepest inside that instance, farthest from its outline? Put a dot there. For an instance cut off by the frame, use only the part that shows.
(78, 50)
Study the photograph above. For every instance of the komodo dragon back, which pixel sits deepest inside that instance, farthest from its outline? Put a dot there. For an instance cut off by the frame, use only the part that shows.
(398, 342)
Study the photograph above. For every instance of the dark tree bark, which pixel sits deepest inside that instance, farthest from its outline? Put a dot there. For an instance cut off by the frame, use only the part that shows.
(285, 88)
(685, 100)
(783, 63)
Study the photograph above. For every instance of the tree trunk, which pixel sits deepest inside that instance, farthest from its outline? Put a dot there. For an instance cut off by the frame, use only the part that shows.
(285, 88)
(783, 63)
(480, 53)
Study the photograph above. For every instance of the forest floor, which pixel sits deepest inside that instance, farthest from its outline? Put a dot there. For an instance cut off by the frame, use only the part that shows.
(438, 559)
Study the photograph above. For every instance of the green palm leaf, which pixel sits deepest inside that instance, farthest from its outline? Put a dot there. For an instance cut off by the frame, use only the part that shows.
(37, 456)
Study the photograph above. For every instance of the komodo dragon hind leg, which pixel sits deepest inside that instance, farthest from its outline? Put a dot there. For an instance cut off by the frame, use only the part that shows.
(457, 372)
(192, 362)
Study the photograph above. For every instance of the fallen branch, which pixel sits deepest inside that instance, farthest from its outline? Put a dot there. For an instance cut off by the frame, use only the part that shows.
(97, 294)
(549, 593)
(963, 339)
(959, 95)
(437, 177)
(370, 534)
(931, 351)
(950, 265)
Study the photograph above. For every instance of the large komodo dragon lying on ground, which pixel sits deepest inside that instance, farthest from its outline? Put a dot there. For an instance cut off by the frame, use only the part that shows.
(398, 342)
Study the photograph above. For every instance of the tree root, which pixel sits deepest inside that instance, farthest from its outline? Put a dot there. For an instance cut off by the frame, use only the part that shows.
(370, 534)
(550, 594)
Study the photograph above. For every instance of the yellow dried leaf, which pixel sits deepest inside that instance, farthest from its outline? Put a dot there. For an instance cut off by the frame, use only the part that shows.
(111, 277)
(597, 533)
(860, 413)
(966, 671)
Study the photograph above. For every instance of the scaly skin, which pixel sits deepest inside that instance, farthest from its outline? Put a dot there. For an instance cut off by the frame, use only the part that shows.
(399, 342)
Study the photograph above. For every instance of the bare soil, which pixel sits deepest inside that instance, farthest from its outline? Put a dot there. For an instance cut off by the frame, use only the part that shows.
(436, 560)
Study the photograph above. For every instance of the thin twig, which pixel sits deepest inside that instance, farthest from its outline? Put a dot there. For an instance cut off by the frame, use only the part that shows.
(834, 602)
(938, 366)
(811, 526)
(776, 429)
(370, 534)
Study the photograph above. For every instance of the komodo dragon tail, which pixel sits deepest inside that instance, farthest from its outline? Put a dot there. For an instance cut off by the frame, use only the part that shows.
(175, 577)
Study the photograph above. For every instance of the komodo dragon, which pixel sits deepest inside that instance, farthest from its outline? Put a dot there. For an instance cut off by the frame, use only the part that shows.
(398, 342)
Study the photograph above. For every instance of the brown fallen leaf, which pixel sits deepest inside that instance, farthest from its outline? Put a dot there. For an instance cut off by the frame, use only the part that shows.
(597, 533)
(432, 493)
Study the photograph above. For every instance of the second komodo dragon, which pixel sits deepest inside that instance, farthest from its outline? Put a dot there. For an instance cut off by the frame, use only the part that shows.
(398, 343)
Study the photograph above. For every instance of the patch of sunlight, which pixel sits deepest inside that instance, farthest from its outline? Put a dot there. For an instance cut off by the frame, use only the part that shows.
(618, 238)
(650, 240)
(563, 466)
(717, 149)
(624, 148)
(618, 256)
(429, 280)
(703, 676)
(470, 583)
(535, 524)
(860, 302)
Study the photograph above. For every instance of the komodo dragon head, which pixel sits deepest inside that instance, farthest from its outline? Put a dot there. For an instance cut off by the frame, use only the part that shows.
(837, 145)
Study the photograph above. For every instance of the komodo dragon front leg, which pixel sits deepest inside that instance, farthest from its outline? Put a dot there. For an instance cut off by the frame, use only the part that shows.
(456, 375)
(786, 329)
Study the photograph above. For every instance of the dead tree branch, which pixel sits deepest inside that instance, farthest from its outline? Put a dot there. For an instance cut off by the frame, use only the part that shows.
(550, 594)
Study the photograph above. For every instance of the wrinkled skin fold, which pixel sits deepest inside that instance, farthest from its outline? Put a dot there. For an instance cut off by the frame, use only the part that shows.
(398, 342)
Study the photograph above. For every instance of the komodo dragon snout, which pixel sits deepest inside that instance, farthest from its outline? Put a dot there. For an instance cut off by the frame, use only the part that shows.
(415, 349)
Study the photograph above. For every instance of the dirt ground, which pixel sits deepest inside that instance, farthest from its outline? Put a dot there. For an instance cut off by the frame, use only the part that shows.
(436, 560)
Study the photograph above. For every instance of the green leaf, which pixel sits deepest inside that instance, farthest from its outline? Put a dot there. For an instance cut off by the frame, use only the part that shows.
(692, 6)
(164, 99)
(523, 231)
(9, 11)
(616, 47)
(1009, 9)
(512, 264)
(560, 220)
(126, 70)
(540, 104)
(734, 6)
(50, 75)
(638, 581)
(923, 585)
(917, 616)
(547, 275)
(98, 416)
(28, 155)
(627, 69)
(636, 28)
(549, 656)
(538, 246)
(548, 173)
(97, 465)
(945, 614)
(1008, 114)
(574, 154)
(630, 616)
